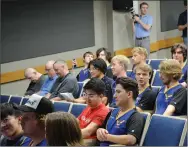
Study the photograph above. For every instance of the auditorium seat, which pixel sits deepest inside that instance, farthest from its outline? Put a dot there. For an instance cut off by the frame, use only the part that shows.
(156, 81)
(24, 100)
(77, 109)
(147, 117)
(5, 98)
(148, 61)
(15, 99)
(154, 63)
(165, 131)
(185, 141)
(62, 106)
(156, 88)
(80, 84)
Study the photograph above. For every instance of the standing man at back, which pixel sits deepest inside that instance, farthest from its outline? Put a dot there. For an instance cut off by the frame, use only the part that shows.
(182, 23)
(142, 27)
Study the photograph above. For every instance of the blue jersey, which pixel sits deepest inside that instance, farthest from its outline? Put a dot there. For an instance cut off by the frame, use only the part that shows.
(184, 74)
(83, 75)
(164, 98)
(117, 126)
(42, 143)
(140, 96)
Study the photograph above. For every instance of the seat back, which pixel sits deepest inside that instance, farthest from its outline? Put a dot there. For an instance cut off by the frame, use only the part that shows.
(185, 141)
(77, 109)
(62, 106)
(148, 61)
(154, 63)
(147, 117)
(156, 81)
(24, 100)
(5, 98)
(15, 99)
(156, 88)
(80, 84)
(165, 131)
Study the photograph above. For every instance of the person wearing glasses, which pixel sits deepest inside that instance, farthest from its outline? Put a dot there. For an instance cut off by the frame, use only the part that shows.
(95, 113)
(48, 83)
(36, 81)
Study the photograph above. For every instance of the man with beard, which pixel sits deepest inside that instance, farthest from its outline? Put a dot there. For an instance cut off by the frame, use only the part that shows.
(172, 97)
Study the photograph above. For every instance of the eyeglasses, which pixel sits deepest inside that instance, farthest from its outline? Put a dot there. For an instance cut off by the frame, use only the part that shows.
(89, 95)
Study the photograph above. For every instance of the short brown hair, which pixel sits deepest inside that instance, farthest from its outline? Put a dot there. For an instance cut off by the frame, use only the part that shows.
(62, 129)
(144, 3)
(90, 53)
(145, 67)
(140, 50)
(182, 47)
(171, 67)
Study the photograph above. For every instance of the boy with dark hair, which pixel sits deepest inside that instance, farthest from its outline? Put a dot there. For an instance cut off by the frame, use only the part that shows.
(84, 73)
(123, 125)
(94, 114)
(179, 53)
(11, 129)
(33, 120)
(98, 68)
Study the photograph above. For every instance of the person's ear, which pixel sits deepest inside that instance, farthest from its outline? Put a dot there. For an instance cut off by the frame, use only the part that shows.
(19, 119)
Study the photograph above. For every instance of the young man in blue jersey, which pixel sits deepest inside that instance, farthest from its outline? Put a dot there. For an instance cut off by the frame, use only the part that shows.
(179, 53)
(172, 97)
(84, 73)
(11, 129)
(33, 120)
(123, 125)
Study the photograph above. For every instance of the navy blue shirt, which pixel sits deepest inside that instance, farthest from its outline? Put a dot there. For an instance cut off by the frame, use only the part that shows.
(108, 90)
(182, 21)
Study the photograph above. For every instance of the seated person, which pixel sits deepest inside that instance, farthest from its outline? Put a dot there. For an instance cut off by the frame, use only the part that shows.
(172, 97)
(94, 114)
(119, 69)
(179, 53)
(146, 97)
(106, 56)
(139, 57)
(58, 125)
(11, 129)
(37, 80)
(48, 83)
(123, 125)
(98, 68)
(84, 73)
(66, 83)
(33, 119)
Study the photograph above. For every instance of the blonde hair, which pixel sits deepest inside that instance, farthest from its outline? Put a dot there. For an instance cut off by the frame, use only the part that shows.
(140, 50)
(171, 67)
(145, 67)
(123, 60)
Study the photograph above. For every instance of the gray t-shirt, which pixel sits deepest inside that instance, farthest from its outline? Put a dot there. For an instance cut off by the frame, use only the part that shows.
(67, 84)
(34, 87)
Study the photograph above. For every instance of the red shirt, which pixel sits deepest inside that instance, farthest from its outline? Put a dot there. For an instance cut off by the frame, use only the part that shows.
(96, 115)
